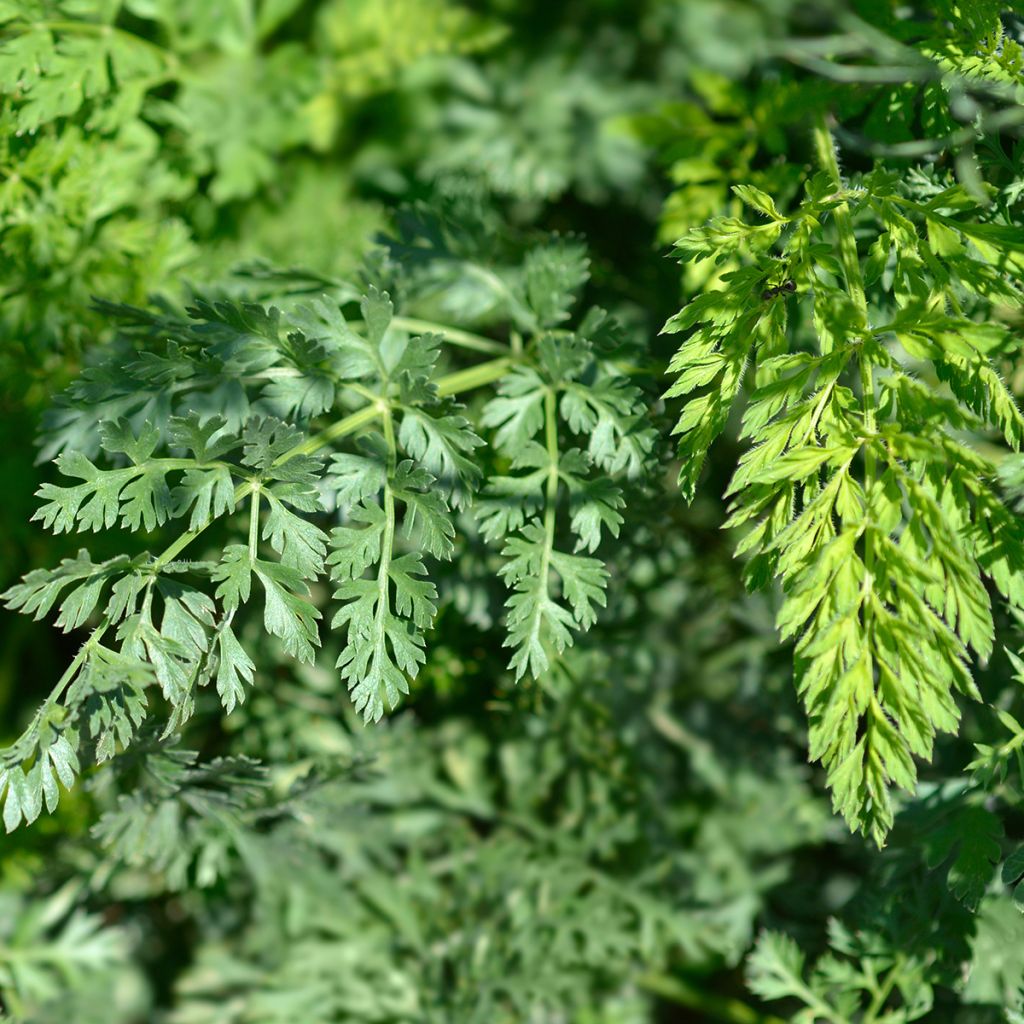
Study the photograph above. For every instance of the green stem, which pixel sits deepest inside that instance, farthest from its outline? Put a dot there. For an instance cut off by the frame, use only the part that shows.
(464, 339)
(169, 464)
(550, 499)
(383, 599)
(883, 991)
(855, 288)
(349, 425)
(452, 384)
(473, 377)
(717, 1007)
(57, 692)
(388, 425)
(254, 523)
(551, 440)
(174, 549)
(551, 492)
(843, 221)
(359, 389)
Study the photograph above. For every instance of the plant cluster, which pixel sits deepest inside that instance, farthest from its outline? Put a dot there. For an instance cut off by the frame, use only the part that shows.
(413, 628)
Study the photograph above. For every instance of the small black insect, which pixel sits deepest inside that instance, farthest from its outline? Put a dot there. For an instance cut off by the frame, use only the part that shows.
(771, 293)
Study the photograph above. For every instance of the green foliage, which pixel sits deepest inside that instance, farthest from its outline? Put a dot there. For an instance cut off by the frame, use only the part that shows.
(382, 670)
(573, 384)
(170, 624)
(51, 949)
(524, 129)
(838, 988)
(132, 129)
(877, 519)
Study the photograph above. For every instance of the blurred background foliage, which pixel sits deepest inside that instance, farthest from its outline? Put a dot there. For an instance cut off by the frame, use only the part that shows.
(604, 848)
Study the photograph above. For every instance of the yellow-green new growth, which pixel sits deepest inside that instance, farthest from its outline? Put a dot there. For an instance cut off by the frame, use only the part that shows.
(859, 494)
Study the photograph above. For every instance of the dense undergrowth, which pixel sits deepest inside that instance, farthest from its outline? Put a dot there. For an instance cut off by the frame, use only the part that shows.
(527, 511)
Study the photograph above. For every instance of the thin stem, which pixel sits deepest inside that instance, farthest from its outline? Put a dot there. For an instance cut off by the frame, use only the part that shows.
(359, 389)
(452, 384)
(551, 492)
(883, 991)
(550, 499)
(464, 339)
(388, 425)
(169, 464)
(254, 522)
(551, 441)
(59, 687)
(717, 1007)
(855, 287)
(383, 598)
(474, 377)
(349, 425)
(844, 223)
